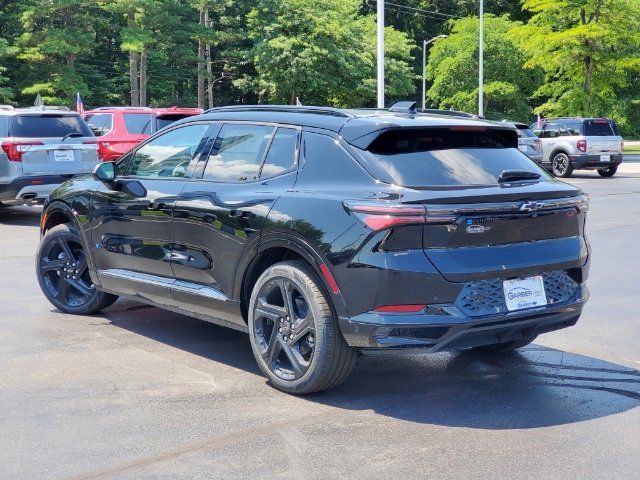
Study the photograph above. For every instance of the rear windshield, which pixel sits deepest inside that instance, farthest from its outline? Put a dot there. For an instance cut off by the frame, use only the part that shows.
(48, 126)
(166, 120)
(600, 128)
(138, 123)
(439, 157)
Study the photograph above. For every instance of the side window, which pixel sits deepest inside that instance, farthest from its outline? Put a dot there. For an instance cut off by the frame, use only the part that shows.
(99, 123)
(550, 130)
(138, 123)
(325, 161)
(167, 155)
(237, 153)
(281, 156)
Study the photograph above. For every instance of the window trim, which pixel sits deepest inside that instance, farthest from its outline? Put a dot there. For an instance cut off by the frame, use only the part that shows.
(190, 168)
(276, 125)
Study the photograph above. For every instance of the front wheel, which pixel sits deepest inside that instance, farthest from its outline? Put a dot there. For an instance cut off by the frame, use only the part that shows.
(608, 172)
(63, 274)
(561, 165)
(294, 334)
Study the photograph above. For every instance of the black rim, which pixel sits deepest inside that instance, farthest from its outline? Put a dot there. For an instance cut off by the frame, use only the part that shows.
(284, 328)
(63, 268)
(561, 163)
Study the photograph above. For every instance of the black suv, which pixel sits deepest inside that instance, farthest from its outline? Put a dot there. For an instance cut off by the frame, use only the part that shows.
(323, 232)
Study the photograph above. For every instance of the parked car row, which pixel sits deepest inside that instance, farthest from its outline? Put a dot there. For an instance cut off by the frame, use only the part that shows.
(41, 147)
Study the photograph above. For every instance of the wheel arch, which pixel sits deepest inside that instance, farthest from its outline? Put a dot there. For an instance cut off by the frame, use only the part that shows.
(279, 247)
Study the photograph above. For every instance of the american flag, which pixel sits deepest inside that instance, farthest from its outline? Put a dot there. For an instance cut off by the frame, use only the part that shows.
(540, 122)
(79, 104)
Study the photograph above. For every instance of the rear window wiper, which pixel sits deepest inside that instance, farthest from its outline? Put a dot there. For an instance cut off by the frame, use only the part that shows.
(71, 135)
(513, 175)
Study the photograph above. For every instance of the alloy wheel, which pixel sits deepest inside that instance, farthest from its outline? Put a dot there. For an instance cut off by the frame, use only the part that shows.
(284, 328)
(560, 164)
(64, 272)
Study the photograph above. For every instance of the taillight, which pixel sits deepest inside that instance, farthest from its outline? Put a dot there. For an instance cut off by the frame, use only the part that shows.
(14, 150)
(581, 145)
(383, 215)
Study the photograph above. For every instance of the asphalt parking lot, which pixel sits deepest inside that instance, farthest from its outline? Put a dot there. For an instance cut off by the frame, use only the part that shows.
(138, 392)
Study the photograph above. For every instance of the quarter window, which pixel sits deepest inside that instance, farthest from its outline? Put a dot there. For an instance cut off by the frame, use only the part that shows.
(238, 152)
(138, 123)
(281, 156)
(168, 155)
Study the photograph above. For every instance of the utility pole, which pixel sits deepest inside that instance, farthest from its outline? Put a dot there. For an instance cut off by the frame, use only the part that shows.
(481, 63)
(380, 30)
(424, 66)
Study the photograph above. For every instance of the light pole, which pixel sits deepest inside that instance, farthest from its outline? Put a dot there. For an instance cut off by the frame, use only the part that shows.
(481, 63)
(424, 66)
(380, 31)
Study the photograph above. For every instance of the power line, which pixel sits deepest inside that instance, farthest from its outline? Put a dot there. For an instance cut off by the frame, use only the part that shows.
(422, 11)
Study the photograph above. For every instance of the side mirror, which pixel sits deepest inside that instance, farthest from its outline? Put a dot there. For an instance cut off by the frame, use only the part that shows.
(105, 172)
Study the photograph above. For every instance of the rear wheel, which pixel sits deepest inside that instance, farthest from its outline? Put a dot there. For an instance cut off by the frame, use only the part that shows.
(294, 333)
(506, 346)
(63, 274)
(561, 165)
(608, 172)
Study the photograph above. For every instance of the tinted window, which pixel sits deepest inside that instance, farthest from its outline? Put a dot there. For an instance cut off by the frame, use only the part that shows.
(138, 123)
(168, 155)
(165, 121)
(51, 125)
(600, 128)
(4, 126)
(281, 156)
(237, 152)
(441, 157)
(525, 133)
(99, 123)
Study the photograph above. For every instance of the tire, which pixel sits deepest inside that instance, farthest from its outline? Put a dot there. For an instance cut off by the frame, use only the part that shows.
(506, 346)
(313, 356)
(608, 172)
(561, 165)
(63, 274)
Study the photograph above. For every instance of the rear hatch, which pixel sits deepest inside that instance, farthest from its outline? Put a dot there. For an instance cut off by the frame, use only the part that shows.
(602, 136)
(489, 210)
(53, 144)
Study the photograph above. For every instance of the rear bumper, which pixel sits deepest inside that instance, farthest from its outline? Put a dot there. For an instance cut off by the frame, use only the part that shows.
(593, 161)
(445, 327)
(26, 189)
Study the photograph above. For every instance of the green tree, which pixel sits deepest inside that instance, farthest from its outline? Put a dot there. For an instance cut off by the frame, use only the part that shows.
(55, 33)
(322, 53)
(588, 50)
(453, 70)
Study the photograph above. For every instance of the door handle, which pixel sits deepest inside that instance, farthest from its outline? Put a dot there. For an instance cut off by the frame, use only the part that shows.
(156, 206)
(241, 214)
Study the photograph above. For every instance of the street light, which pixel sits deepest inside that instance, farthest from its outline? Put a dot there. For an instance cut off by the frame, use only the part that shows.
(424, 65)
(380, 49)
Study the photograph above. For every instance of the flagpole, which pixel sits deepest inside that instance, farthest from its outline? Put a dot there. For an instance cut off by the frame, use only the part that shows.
(481, 63)
(380, 40)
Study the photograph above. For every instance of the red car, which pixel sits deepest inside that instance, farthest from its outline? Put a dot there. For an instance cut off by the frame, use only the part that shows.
(119, 129)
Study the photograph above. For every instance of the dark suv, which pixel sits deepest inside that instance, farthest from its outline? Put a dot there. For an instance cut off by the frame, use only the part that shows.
(322, 232)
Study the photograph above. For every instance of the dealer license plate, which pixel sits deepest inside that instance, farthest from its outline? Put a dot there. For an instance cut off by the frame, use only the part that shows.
(523, 293)
(63, 155)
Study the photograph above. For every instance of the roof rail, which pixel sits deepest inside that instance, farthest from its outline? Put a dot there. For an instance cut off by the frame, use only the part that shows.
(47, 107)
(283, 108)
(122, 108)
(450, 113)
